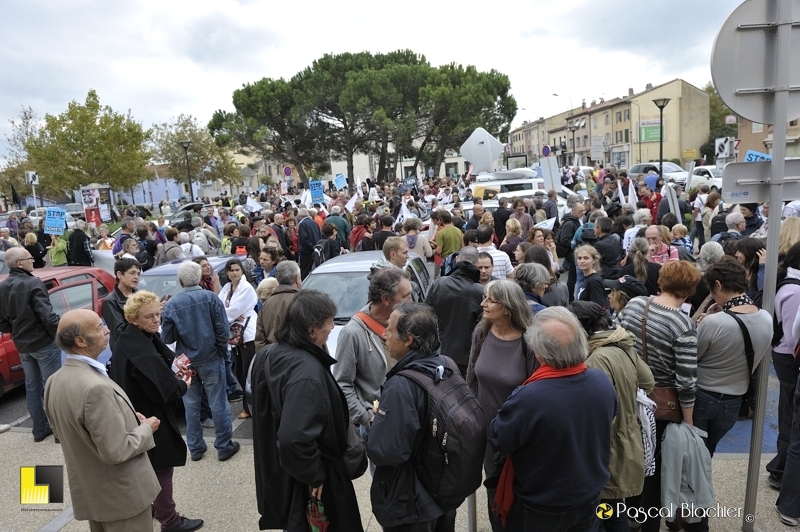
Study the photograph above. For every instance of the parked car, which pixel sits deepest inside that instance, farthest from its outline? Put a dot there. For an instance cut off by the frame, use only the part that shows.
(75, 210)
(163, 280)
(671, 170)
(708, 175)
(344, 279)
(70, 287)
(177, 217)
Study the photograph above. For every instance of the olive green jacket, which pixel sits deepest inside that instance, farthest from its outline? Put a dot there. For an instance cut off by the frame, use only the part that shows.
(613, 352)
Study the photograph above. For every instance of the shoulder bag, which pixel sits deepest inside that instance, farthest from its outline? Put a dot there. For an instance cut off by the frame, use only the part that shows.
(668, 408)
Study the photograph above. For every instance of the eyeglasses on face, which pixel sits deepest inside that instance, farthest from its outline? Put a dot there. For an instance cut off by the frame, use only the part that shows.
(490, 301)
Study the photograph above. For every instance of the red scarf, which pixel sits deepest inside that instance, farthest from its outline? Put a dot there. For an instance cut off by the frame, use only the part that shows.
(504, 497)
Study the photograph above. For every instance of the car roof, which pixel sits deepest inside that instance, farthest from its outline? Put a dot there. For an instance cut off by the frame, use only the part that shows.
(171, 268)
(51, 273)
(361, 261)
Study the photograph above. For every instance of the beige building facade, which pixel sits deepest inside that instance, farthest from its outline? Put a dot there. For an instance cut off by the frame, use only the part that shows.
(622, 131)
(758, 137)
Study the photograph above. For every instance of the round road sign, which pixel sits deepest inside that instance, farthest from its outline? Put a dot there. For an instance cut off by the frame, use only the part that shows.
(743, 62)
(287, 171)
(546, 150)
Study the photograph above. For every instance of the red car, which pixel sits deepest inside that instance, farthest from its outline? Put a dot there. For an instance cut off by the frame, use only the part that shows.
(70, 288)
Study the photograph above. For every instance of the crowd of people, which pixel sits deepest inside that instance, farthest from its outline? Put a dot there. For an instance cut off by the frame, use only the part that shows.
(590, 389)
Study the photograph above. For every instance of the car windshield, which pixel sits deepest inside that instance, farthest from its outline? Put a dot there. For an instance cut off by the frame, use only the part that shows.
(672, 167)
(348, 291)
(160, 285)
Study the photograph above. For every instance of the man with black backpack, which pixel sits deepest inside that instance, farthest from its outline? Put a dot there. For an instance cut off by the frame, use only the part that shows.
(429, 433)
(736, 223)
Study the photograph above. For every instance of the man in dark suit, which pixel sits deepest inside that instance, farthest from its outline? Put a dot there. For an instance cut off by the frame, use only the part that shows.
(104, 440)
(308, 234)
(501, 216)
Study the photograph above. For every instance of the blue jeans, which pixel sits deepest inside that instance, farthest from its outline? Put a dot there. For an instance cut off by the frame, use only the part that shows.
(787, 376)
(528, 518)
(212, 376)
(230, 378)
(578, 283)
(789, 499)
(38, 366)
(715, 415)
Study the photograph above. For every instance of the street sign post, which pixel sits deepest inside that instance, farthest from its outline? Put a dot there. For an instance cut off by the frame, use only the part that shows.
(752, 73)
(32, 178)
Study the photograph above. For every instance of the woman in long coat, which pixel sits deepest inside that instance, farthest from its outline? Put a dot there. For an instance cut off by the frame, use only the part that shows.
(142, 366)
(300, 424)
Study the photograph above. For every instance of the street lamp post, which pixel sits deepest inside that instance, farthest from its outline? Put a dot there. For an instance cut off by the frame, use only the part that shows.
(572, 126)
(661, 103)
(185, 144)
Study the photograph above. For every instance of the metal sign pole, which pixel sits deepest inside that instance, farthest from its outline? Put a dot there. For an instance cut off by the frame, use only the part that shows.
(781, 81)
(472, 514)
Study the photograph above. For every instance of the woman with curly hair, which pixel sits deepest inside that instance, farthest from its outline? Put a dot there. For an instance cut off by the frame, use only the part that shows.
(592, 289)
(512, 239)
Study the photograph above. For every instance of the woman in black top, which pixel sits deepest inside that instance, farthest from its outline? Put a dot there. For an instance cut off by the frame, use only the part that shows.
(637, 265)
(35, 249)
(588, 260)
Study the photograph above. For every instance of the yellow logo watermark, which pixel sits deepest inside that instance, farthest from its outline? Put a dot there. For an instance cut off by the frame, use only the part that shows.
(604, 511)
(41, 485)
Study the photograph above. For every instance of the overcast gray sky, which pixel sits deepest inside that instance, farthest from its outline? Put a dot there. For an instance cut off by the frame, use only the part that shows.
(163, 58)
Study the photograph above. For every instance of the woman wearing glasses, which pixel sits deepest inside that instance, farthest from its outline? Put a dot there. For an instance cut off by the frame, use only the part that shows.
(499, 359)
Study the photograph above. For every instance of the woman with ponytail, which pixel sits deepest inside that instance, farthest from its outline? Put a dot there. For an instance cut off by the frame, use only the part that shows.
(638, 266)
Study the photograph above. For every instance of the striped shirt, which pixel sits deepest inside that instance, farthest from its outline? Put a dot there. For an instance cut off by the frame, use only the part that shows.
(501, 261)
(671, 345)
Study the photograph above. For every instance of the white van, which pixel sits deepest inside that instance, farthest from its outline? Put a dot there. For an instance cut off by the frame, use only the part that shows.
(510, 187)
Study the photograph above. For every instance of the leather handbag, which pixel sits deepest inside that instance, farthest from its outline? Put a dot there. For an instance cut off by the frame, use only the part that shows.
(668, 407)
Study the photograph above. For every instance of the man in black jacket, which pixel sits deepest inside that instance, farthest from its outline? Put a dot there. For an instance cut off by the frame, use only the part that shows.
(26, 313)
(501, 216)
(127, 272)
(456, 299)
(609, 247)
(80, 249)
(551, 207)
(569, 224)
(475, 219)
(392, 443)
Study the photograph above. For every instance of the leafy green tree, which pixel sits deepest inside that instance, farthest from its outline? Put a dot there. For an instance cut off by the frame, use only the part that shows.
(456, 102)
(207, 160)
(717, 127)
(269, 121)
(89, 143)
(23, 128)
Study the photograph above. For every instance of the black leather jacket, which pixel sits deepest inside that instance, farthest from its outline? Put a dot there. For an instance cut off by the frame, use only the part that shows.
(26, 312)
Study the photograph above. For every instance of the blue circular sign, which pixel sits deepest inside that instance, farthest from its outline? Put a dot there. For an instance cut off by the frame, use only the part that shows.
(546, 150)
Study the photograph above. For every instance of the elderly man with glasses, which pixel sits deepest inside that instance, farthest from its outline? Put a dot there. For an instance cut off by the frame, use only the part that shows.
(26, 313)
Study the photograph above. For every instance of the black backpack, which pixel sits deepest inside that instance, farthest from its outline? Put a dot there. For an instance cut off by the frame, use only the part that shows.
(145, 259)
(727, 236)
(718, 224)
(588, 236)
(451, 462)
(322, 252)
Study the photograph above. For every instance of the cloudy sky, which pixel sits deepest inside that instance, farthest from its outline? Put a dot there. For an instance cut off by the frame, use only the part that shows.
(163, 58)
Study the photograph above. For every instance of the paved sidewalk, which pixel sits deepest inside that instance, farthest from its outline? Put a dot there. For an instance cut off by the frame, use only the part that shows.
(223, 493)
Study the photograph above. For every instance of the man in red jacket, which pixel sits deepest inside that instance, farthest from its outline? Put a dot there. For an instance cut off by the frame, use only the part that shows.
(652, 199)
